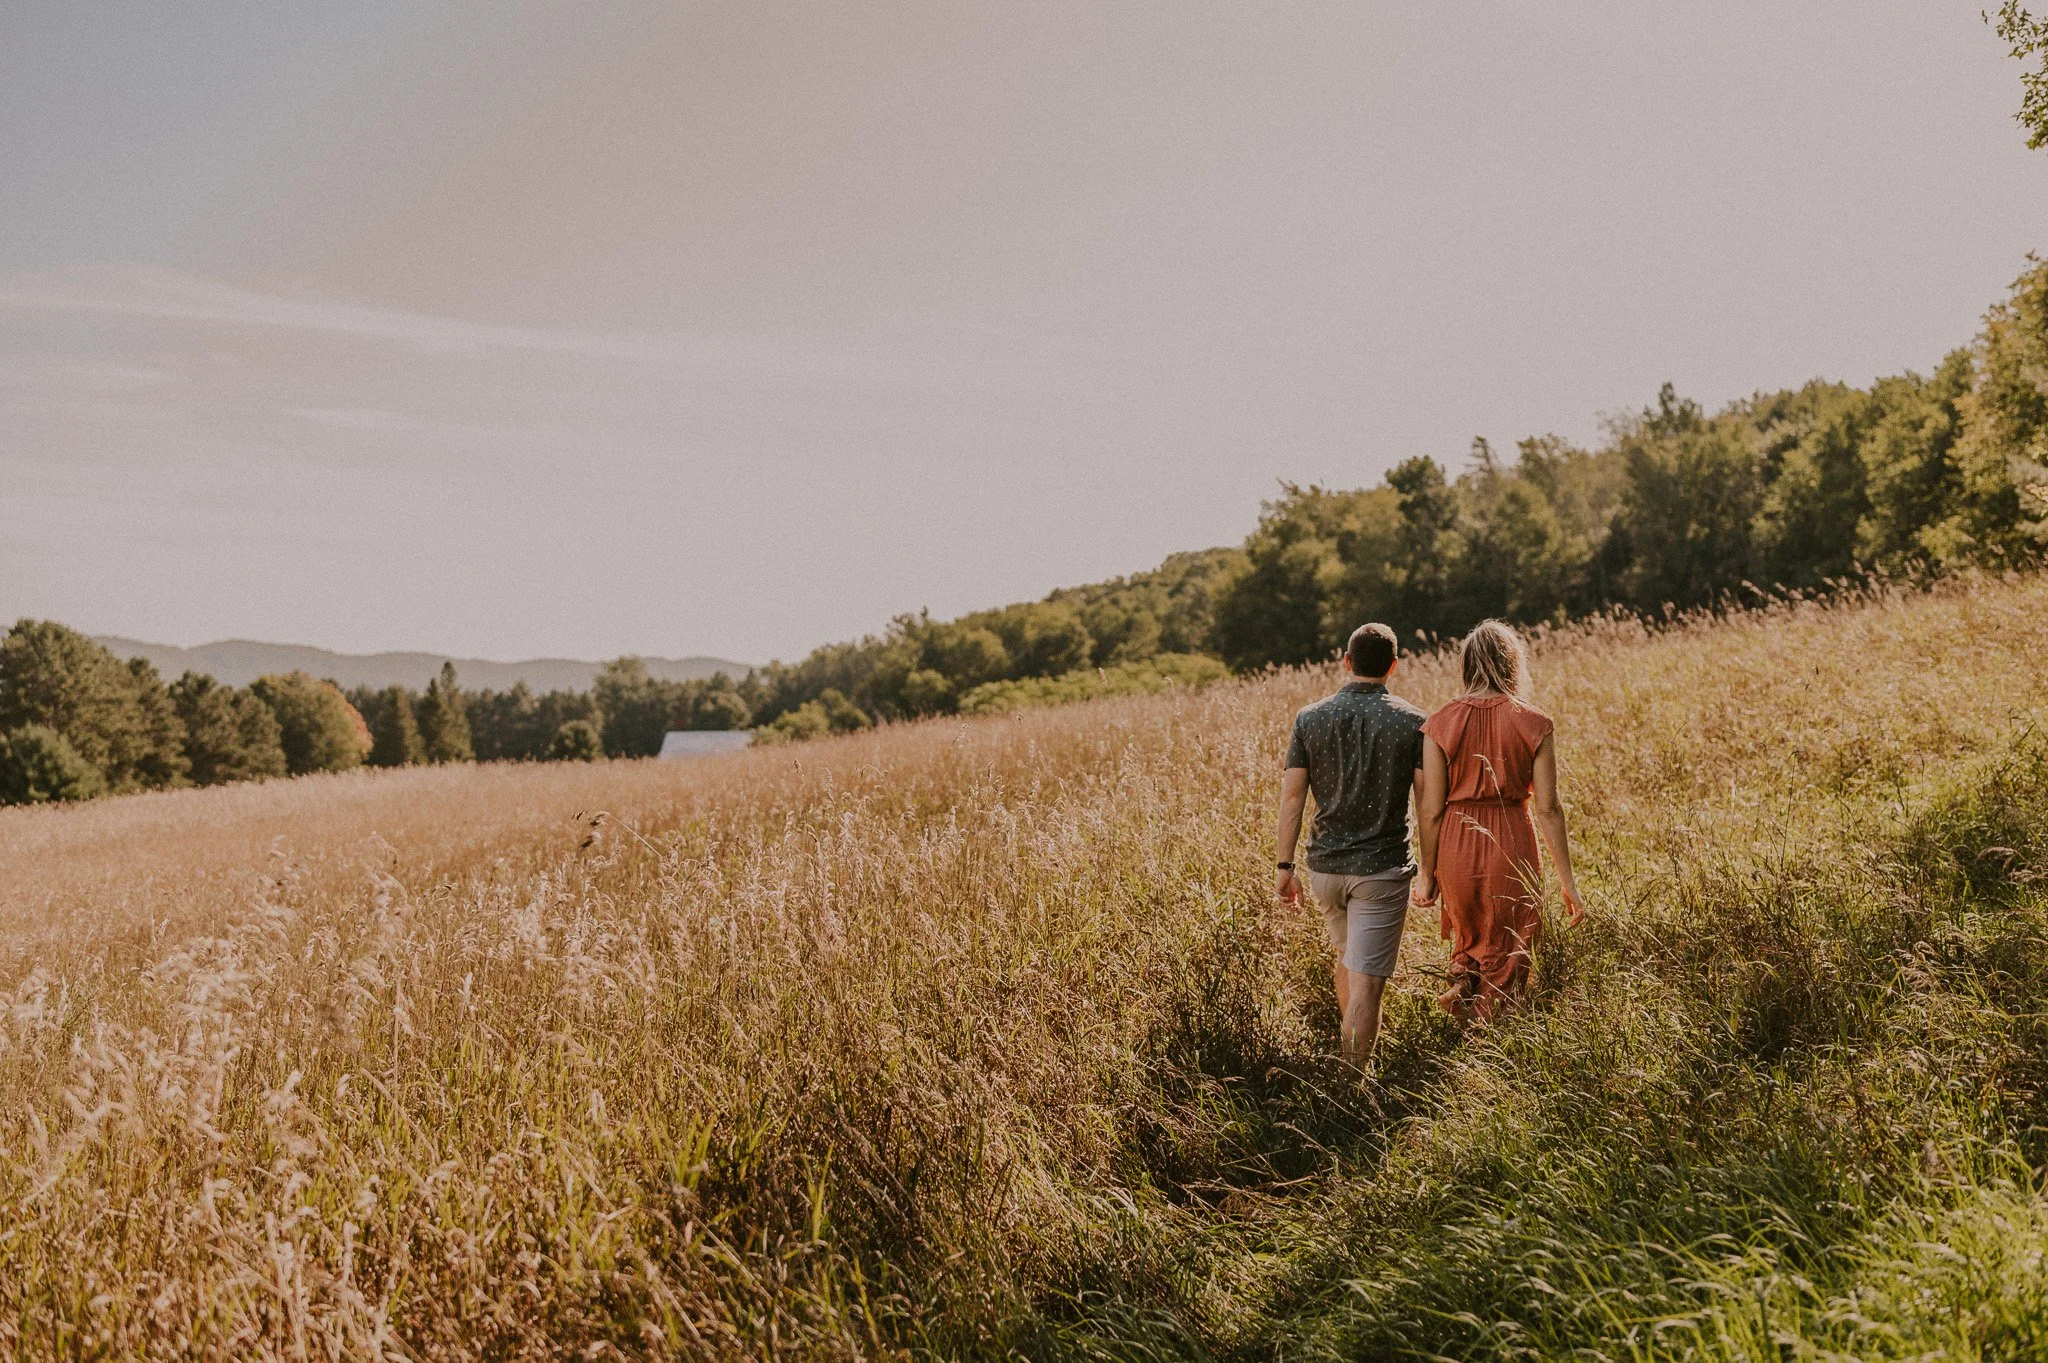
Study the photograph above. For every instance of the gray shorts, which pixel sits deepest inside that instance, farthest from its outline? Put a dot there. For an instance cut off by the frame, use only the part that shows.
(1365, 915)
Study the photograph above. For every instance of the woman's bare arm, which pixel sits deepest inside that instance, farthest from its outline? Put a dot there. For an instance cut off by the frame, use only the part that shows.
(1430, 793)
(1550, 821)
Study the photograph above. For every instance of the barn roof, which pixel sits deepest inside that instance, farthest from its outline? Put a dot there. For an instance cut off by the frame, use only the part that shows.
(698, 742)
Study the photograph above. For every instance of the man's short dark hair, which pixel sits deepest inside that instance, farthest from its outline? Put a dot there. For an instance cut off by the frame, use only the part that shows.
(1372, 650)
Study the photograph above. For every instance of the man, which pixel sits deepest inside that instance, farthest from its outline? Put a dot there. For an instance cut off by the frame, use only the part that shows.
(1359, 750)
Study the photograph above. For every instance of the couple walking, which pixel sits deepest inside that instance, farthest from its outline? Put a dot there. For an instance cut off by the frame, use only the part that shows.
(1475, 767)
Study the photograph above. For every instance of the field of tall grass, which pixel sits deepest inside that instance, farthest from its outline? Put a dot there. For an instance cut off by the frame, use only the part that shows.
(984, 1038)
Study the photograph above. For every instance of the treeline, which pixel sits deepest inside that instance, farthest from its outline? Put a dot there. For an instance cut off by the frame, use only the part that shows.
(1677, 508)
(76, 722)
(626, 713)
(1143, 625)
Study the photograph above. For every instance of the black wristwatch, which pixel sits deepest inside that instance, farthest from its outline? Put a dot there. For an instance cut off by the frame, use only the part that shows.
(1286, 865)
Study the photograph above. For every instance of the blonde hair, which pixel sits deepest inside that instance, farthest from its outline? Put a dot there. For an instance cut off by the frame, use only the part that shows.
(1495, 659)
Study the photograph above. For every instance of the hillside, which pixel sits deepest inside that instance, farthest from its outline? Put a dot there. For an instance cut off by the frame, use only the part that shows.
(1677, 508)
(977, 1037)
(237, 662)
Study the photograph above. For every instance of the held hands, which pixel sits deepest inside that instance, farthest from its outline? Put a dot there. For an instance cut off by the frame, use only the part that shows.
(1424, 893)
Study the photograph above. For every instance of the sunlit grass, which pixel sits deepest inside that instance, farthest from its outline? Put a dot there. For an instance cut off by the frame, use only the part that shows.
(982, 1035)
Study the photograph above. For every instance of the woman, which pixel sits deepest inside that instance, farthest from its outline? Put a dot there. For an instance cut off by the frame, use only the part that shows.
(1483, 756)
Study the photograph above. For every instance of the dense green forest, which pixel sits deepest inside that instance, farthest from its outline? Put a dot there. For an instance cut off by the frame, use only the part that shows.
(1676, 509)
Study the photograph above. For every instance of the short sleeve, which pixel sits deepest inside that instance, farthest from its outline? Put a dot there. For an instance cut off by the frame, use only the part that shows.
(1443, 726)
(1534, 724)
(1297, 749)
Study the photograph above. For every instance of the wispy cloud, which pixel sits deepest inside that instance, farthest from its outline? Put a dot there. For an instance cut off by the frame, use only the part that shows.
(152, 293)
(303, 464)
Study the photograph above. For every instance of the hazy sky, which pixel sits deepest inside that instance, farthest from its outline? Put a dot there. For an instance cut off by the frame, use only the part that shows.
(512, 329)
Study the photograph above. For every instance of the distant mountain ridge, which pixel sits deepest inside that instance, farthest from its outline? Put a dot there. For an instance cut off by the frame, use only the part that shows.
(238, 662)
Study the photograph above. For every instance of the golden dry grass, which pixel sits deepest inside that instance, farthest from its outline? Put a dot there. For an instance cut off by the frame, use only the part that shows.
(830, 1050)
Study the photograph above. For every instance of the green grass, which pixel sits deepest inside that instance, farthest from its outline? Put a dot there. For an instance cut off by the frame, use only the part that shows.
(1789, 1108)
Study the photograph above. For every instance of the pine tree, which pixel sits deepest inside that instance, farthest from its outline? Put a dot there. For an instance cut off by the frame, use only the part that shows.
(395, 737)
(159, 762)
(213, 732)
(108, 713)
(230, 735)
(443, 723)
(262, 740)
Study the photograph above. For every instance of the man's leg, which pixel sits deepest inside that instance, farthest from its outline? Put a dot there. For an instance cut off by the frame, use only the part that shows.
(1333, 894)
(1362, 995)
(1378, 915)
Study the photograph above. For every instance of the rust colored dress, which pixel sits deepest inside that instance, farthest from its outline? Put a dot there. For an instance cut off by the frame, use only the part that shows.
(1486, 867)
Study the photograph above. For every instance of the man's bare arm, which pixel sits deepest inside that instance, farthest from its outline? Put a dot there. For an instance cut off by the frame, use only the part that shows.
(1293, 798)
